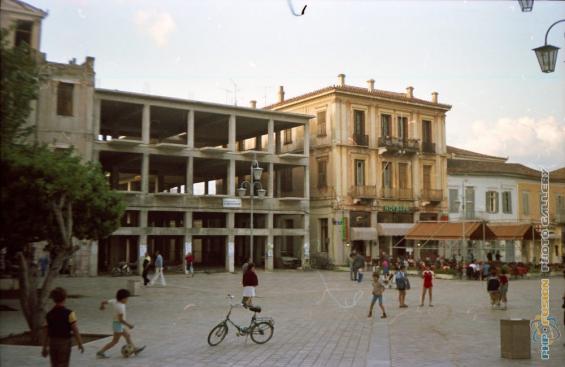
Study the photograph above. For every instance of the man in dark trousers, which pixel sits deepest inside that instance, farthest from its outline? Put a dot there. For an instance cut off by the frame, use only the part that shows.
(145, 267)
(358, 267)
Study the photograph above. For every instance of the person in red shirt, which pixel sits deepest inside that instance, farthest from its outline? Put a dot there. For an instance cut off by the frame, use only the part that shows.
(250, 281)
(189, 260)
(428, 277)
(503, 278)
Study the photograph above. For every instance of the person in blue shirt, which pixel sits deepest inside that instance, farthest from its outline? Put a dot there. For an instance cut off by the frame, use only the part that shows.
(158, 270)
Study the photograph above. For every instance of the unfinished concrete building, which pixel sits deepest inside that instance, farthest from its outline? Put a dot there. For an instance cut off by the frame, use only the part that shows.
(180, 163)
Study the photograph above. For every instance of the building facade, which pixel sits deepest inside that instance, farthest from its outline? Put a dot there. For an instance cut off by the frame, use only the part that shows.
(378, 164)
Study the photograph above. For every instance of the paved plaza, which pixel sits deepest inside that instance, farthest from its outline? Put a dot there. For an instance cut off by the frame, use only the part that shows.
(320, 320)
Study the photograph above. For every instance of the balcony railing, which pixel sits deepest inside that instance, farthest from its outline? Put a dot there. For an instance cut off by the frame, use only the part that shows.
(396, 144)
(363, 192)
(432, 195)
(361, 139)
(396, 194)
(428, 147)
(325, 192)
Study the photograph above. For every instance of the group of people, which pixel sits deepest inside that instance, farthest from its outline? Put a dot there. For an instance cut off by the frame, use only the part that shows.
(497, 287)
(158, 264)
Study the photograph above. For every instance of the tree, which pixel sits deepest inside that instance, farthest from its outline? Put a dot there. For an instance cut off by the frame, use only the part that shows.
(51, 196)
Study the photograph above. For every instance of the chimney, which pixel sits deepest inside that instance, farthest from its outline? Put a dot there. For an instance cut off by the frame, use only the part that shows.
(371, 85)
(281, 94)
(253, 104)
(410, 92)
(434, 97)
(341, 80)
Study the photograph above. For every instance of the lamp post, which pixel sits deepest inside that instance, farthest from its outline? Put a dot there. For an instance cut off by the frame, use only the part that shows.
(526, 5)
(547, 54)
(255, 178)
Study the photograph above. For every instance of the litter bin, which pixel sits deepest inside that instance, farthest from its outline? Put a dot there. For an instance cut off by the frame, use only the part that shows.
(515, 339)
(133, 287)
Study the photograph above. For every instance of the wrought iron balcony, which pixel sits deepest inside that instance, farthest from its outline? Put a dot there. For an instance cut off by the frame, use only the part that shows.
(398, 144)
(396, 194)
(428, 147)
(432, 195)
(361, 139)
(361, 192)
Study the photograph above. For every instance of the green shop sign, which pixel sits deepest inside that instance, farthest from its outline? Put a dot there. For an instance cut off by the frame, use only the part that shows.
(396, 209)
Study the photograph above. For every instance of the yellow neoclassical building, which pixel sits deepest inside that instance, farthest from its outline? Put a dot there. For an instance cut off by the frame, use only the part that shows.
(377, 165)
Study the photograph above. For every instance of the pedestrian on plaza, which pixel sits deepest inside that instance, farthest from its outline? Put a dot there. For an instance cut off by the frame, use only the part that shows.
(119, 324)
(486, 270)
(493, 288)
(503, 278)
(158, 270)
(189, 260)
(249, 281)
(145, 268)
(43, 263)
(402, 284)
(358, 267)
(479, 269)
(428, 276)
(61, 324)
(352, 274)
(379, 287)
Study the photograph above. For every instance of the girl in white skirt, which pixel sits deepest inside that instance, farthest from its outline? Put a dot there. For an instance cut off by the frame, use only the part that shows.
(250, 281)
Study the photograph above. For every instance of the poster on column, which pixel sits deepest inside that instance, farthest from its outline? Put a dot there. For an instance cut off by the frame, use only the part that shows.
(142, 249)
(187, 247)
(231, 249)
(306, 249)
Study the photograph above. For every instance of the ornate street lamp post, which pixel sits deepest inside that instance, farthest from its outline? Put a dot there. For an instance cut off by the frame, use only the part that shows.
(255, 178)
(526, 5)
(547, 54)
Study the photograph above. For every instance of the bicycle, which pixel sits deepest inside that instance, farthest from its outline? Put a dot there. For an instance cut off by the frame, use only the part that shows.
(260, 329)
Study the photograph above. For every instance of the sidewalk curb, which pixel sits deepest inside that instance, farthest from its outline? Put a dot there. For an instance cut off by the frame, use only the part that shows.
(379, 345)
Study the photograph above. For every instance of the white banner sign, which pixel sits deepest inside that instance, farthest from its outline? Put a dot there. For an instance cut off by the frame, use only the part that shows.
(231, 203)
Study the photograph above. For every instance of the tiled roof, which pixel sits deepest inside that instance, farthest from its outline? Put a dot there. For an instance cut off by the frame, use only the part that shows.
(558, 174)
(358, 90)
(467, 154)
(30, 7)
(489, 168)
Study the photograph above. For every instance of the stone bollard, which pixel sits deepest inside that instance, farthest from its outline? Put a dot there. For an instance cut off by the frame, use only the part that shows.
(515, 339)
(133, 287)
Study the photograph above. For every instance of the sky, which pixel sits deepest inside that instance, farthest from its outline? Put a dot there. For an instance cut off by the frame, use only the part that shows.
(476, 54)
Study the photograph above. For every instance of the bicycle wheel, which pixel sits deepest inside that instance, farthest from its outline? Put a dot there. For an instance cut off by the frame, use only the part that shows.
(262, 332)
(217, 334)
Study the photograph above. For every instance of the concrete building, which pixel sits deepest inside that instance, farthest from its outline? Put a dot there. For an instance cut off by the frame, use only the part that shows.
(378, 164)
(179, 164)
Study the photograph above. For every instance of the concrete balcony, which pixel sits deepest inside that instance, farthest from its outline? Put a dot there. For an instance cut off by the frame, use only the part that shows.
(432, 196)
(363, 192)
(399, 144)
(396, 194)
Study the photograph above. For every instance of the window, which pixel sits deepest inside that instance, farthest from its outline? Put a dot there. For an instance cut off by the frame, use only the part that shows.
(65, 99)
(469, 202)
(321, 117)
(427, 177)
(491, 201)
(526, 203)
(402, 128)
(426, 131)
(288, 136)
(359, 172)
(324, 239)
(286, 180)
(453, 201)
(507, 202)
(359, 123)
(387, 175)
(403, 176)
(23, 32)
(386, 128)
(322, 173)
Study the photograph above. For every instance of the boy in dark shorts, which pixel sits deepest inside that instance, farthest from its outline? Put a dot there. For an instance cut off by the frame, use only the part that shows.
(61, 324)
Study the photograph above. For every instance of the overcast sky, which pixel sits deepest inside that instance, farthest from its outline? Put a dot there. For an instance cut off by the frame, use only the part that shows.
(476, 54)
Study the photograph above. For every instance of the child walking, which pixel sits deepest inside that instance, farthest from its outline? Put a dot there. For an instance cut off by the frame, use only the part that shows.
(378, 290)
(503, 278)
(61, 324)
(249, 281)
(118, 322)
(428, 276)
(493, 288)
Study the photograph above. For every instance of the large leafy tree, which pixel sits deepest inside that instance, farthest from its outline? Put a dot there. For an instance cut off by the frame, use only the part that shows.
(46, 196)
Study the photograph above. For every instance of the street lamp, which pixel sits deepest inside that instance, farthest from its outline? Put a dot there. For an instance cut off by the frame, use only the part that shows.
(255, 178)
(547, 54)
(526, 5)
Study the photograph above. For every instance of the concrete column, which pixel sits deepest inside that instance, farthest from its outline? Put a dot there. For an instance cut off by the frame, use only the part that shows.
(306, 246)
(96, 119)
(306, 182)
(189, 175)
(231, 178)
(230, 245)
(93, 259)
(145, 173)
(145, 124)
(190, 129)
(271, 134)
(278, 143)
(270, 245)
(307, 139)
(142, 248)
(271, 184)
(187, 237)
(231, 133)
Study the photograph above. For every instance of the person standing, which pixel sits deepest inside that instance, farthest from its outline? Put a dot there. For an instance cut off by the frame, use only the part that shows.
(250, 281)
(61, 324)
(428, 276)
(189, 260)
(402, 284)
(145, 266)
(493, 288)
(378, 290)
(352, 274)
(503, 278)
(358, 266)
(158, 270)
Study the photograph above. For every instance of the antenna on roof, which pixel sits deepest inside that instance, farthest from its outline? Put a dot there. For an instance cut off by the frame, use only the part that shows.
(235, 89)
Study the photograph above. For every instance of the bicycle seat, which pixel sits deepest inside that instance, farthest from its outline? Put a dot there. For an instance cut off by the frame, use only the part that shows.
(255, 308)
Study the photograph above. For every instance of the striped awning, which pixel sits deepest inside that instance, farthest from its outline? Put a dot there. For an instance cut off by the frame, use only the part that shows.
(394, 229)
(450, 231)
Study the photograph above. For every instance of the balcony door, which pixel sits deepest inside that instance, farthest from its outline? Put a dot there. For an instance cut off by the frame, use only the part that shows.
(359, 123)
(359, 172)
(402, 125)
(426, 131)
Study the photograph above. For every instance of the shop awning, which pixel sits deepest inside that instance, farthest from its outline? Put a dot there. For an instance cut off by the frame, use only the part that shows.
(450, 231)
(394, 229)
(363, 234)
(513, 231)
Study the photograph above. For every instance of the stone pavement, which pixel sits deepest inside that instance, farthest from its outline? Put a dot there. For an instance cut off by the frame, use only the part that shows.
(320, 320)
